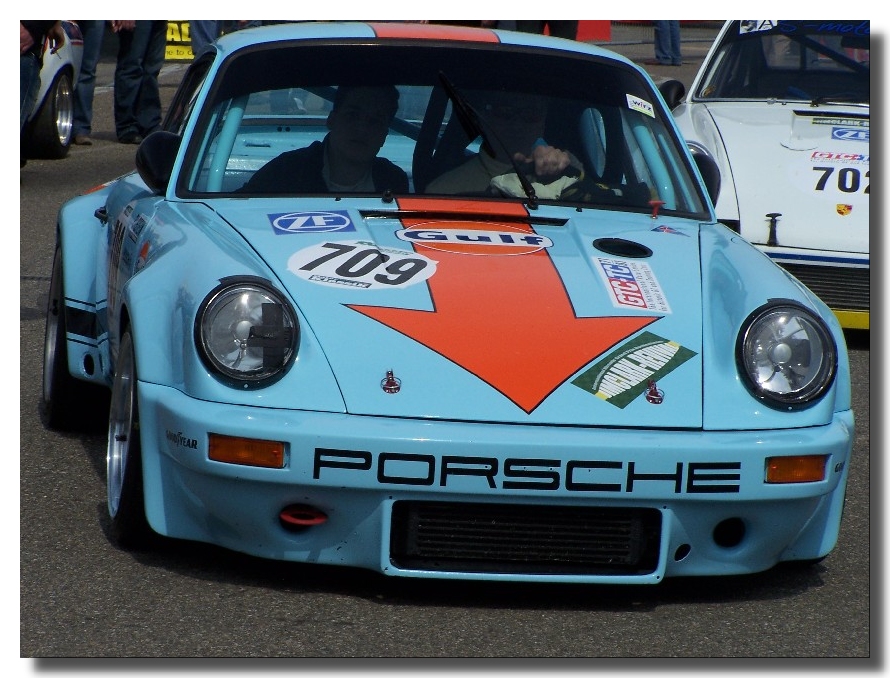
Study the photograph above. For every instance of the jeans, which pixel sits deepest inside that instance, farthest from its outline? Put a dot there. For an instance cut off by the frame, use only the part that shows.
(30, 80)
(137, 98)
(93, 32)
(201, 34)
(667, 42)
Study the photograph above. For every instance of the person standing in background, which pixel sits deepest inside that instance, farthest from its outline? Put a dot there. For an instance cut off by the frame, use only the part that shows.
(137, 100)
(32, 35)
(93, 32)
(667, 44)
(558, 29)
(202, 34)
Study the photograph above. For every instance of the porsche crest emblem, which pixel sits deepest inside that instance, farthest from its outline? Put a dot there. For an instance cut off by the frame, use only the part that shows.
(844, 210)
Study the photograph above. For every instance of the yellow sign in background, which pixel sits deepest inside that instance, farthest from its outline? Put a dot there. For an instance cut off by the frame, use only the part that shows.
(179, 44)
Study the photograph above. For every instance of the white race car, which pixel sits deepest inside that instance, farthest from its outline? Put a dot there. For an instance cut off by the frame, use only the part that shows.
(48, 132)
(783, 107)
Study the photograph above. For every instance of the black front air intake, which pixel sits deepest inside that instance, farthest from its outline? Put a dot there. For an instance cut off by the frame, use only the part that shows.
(524, 539)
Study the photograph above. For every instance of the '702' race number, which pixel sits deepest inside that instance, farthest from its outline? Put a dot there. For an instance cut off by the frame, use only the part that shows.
(848, 179)
(360, 264)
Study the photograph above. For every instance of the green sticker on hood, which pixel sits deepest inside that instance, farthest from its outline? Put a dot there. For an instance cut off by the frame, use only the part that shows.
(626, 372)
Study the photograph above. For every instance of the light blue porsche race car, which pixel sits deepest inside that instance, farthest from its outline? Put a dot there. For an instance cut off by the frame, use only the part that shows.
(464, 361)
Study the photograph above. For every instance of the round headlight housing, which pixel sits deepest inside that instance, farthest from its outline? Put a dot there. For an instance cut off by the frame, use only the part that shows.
(786, 355)
(247, 332)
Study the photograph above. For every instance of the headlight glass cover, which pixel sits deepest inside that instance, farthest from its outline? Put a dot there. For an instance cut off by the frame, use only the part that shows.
(247, 332)
(786, 355)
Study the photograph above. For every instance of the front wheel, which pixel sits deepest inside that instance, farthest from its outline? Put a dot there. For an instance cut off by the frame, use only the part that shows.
(126, 500)
(67, 403)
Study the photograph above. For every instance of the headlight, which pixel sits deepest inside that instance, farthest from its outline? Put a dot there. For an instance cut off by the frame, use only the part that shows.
(786, 355)
(247, 332)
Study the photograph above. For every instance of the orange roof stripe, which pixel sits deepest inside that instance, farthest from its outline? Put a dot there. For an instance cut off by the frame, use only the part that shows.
(433, 32)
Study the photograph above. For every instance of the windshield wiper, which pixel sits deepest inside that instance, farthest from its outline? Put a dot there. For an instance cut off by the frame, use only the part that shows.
(837, 98)
(475, 126)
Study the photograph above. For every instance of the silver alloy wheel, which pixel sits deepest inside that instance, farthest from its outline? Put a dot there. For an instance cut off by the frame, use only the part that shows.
(122, 426)
(55, 307)
(64, 110)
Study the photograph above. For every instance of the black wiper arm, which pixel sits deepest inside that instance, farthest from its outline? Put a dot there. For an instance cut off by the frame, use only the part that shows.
(837, 98)
(474, 126)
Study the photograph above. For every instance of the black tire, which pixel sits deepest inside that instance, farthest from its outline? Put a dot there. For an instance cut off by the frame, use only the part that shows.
(67, 404)
(50, 131)
(125, 494)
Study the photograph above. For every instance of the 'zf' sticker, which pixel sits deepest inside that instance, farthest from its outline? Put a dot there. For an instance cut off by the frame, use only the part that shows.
(627, 372)
(632, 284)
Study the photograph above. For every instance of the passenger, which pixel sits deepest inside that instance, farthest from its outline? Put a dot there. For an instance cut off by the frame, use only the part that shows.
(518, 128)
(346, 160)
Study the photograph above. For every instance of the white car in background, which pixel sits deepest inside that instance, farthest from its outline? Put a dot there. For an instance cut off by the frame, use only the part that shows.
(783, 107)
(48, 132)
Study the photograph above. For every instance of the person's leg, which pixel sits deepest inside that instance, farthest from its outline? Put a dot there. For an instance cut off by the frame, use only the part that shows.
(127, 80)
(201, 34)
(662, 42)
(30, 82)
(529, 26)
(93, 33)
(676, 56)
(564, 29)
(148, 104)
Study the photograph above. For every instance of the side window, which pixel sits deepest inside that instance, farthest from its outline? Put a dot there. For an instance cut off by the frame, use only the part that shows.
(184, 100)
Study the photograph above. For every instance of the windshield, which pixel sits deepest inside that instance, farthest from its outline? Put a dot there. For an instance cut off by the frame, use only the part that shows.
(814, 61)
(316, 118)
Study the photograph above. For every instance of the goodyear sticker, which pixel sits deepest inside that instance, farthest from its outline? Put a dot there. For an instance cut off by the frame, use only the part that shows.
(632, 284)
(626, 372)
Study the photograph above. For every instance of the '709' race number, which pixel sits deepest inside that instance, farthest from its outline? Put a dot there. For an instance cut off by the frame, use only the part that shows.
(360, 264)
(848, 179)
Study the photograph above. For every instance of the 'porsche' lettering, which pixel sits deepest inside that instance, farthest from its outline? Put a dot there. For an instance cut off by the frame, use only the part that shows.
(543, 475)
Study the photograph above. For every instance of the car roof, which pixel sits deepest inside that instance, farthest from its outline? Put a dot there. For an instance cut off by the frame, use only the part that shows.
(322, 30)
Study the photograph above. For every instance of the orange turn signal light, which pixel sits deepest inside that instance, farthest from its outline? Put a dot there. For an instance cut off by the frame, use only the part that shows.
(246, 451)
(802, 469)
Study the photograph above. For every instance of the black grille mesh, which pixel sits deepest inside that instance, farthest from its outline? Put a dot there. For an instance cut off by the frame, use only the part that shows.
(492, 538)
(842, 288)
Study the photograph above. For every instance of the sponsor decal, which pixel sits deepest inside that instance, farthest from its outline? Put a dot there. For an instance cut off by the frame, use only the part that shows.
(640, 105)
(756, 25)
(668, 229)
(360, 264)
(849, 134)
(530, 474)
(459, 239)
(842, 122)
(845, 158)
(632, 284)
(180, 440)
(311, 222)
(844, 210)
(496, 317)
(632, 369)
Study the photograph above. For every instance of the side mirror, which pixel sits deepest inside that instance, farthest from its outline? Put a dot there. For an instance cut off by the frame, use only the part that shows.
(673, 92)
(708, 169)
(155, 157)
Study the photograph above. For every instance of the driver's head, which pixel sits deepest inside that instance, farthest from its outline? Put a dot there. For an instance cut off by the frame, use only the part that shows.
(518, 119)
(359, 120)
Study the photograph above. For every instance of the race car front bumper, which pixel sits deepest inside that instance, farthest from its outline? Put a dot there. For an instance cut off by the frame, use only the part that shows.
(428, 498)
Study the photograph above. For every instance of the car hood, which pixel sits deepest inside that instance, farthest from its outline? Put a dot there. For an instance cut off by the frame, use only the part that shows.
(809, 166)
(483, 311)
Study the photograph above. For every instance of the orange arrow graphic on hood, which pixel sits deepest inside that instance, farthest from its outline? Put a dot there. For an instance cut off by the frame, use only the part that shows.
(500, 309)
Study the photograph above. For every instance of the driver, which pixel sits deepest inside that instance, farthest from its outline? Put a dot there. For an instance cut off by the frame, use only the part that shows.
(517, 125)
(346, 160)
